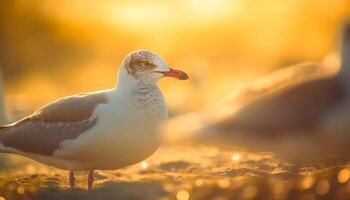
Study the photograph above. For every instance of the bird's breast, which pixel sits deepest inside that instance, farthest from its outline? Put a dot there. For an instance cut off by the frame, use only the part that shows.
(148, 100)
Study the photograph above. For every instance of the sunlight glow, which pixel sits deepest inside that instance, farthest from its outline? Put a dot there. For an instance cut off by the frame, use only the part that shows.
(208, 9)
(199, 182)
(221, 43)
(140, 16)
(144, 165)
(30, 169)
(236, 157)
(20, 190)
(306, 183)
(60, 48)
(183, 195)
(343, 176)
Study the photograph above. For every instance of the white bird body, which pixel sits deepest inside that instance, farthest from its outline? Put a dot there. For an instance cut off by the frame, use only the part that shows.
(118, 140)
(103, 130)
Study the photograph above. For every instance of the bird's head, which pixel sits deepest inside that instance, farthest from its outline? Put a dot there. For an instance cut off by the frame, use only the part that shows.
(145, 65)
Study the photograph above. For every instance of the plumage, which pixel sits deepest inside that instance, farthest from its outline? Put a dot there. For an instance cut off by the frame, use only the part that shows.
(108, 129)
(64, 119)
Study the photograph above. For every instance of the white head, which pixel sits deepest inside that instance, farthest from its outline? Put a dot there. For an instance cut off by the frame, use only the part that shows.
(146, 66)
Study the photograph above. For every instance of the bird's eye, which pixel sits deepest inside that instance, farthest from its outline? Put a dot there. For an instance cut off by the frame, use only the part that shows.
(146, 64)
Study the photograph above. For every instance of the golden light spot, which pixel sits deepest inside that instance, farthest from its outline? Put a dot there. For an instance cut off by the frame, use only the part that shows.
(306, 183)
(183, 195)
(2, 198)
(322, 187)
(30, 169)
(20, 190)
(343, 176)
(236, 157)
(199, 182)
(144, 165)
(250, 192)
(224, 183)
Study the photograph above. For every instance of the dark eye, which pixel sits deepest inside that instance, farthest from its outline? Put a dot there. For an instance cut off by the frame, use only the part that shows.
(146, 64)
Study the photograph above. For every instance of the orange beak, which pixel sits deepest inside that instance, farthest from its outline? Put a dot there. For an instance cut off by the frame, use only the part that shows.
(176, 74)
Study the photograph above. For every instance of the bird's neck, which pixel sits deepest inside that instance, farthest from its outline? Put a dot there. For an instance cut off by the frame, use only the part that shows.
(127, 83)
(144, 94)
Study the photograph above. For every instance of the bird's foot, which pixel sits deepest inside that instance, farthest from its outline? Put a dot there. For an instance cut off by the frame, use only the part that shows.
(90, 179)
(71, 179)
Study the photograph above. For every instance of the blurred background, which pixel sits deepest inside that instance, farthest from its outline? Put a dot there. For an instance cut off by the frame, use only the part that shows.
(51, 49)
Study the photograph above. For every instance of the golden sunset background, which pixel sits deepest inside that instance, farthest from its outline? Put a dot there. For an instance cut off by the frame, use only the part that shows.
(50, 49)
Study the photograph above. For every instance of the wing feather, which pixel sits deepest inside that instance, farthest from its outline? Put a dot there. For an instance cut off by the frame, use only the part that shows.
(42, 132)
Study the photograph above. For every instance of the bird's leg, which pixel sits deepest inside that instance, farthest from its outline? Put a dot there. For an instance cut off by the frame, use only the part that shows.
(71, 179)
(90, 179)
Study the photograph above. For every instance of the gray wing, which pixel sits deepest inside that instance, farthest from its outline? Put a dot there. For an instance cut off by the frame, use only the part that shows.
(299, 108)
(42, 132)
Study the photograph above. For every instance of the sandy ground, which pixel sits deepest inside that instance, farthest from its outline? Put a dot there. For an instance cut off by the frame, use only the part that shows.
(184, 171)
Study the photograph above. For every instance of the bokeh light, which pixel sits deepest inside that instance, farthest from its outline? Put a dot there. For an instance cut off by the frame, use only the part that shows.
(183, 195)
(306, 182)
(51, 49)
(343, 176)
(322, 187)
(144, 165)
(236, 157)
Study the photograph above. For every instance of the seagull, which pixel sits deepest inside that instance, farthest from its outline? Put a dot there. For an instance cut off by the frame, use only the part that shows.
(299, 112)
(101, 130)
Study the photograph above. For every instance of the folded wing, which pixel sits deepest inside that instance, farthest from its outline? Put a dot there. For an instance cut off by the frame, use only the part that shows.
(42, 132)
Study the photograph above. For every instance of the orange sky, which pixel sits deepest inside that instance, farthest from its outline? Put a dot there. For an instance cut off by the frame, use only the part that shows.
(221, 43)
